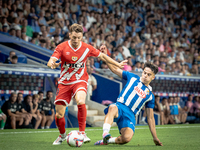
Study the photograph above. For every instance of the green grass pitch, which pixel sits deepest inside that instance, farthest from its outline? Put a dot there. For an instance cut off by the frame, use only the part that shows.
(183, 137)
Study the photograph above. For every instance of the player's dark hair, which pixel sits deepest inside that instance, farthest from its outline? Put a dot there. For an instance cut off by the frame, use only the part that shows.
(153, 67)
(76, 28)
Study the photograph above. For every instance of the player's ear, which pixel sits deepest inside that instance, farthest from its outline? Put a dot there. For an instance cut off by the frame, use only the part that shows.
(69, 35)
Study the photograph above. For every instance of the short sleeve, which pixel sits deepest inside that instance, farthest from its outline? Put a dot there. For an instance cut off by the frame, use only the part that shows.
(151, 103)
(52, 106)
(127, 75)
(93, 51)
(57, 52)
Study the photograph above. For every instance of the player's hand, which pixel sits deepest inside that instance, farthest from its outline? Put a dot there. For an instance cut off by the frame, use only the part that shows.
(103, 49)
(157, 142)
(55, 65)
(122, 64)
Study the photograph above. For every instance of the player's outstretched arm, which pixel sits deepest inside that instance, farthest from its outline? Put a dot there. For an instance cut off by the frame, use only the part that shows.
(52, 63)
(151, 122)
(107, 59)
(103, 56)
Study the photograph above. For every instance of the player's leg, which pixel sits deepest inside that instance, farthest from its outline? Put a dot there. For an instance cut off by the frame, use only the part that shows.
(82, 113)
(112, 113)
(79, 93)
(125, 137)
(63, 98)
(60, 123)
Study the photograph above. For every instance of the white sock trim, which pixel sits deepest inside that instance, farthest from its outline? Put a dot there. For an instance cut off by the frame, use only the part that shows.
(63, 135)
(112, 140)
(106, 128)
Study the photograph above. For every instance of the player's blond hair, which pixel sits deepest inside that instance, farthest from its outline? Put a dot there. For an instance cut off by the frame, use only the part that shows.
(76, 28)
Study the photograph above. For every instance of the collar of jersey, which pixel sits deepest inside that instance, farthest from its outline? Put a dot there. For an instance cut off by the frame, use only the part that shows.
(73, 48)
(150, 88)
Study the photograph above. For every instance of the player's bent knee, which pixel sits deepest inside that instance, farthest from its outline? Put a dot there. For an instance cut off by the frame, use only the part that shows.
(126, 139)
(112, 109)
(80, 102)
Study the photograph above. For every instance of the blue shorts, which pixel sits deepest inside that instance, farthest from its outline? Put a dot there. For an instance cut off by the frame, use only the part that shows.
(126, 117)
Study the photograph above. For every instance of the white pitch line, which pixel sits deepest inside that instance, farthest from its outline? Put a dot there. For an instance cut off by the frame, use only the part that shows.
(99, 129)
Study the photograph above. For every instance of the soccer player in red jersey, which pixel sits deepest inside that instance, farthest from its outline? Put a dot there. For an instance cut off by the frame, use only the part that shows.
(74, 78)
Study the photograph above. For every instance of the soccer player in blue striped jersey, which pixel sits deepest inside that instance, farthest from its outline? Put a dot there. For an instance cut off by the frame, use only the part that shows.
(136, 93)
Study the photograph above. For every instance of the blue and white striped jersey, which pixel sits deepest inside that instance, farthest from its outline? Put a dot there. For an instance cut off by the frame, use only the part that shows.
(135, 94)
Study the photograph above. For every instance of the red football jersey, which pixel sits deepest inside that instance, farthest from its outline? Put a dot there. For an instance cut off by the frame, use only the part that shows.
(73, 66)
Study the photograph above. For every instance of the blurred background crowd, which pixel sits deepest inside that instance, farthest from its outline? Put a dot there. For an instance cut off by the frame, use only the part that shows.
(165, 32)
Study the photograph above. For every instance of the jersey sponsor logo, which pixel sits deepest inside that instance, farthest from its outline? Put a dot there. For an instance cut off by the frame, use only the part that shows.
(140, 92)
(67, 53)
(74, 58)
(75, 65)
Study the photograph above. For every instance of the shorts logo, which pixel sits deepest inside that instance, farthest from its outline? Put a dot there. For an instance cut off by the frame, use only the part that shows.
(140, 92)
(74, 58)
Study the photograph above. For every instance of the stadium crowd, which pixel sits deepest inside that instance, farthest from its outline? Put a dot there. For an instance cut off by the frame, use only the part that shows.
(165, 32)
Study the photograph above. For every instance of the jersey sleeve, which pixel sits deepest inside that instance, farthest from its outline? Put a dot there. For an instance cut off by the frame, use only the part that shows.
(151, 103)
(127, 75)
(94, 52)
(57, 52)
(52, 106)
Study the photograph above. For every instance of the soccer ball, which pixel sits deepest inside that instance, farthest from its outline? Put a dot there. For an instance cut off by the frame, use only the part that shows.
(74, 139)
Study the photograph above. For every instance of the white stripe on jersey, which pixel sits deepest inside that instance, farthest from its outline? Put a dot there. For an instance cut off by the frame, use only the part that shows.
(150, 98)
(138, 101)
(69, 75)
(129, 99)
(129, 86)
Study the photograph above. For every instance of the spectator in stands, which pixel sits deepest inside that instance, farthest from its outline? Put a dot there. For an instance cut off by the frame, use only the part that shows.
(21, 110)
(47, 111)
(42, 20)
(167, 118)
(158, 110)
(29, 29)
(43, 43)
(18, 33)
(10, 108)
(8, 60)
(194, 69)
(36, 111)
(14, 59)
(3, 118)
(189, 106)
(129, 65)
(182, 114)
(5, 30)
(12, 32)
(138, 67)
(196, 106)
(33, 18)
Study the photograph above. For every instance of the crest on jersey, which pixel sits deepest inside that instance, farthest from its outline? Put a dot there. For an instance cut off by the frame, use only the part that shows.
(74, 58)
(140, 92)
(147, 92)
